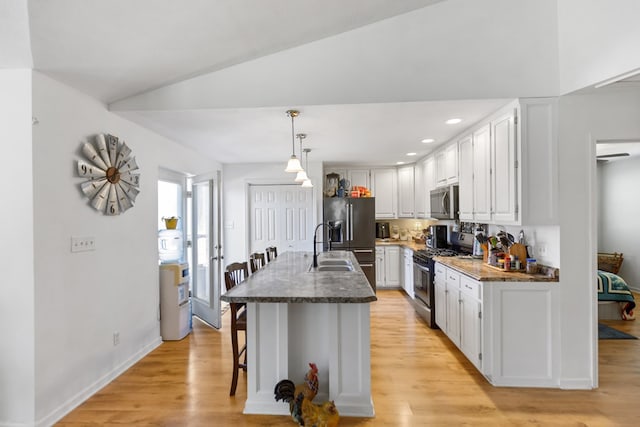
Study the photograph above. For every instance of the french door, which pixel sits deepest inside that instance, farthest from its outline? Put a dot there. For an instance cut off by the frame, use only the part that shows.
(206, 249)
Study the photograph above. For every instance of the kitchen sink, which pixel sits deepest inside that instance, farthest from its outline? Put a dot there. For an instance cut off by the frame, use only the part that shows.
(334, 268)
(334, 262)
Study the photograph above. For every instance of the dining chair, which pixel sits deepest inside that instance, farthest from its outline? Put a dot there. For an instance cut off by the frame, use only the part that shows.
(234, 275)
(272, 253)
(256, 261)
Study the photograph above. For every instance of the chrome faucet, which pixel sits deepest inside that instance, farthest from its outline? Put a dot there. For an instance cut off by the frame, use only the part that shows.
(315, 253)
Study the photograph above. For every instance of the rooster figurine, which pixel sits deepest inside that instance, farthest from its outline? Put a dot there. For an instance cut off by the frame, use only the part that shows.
(300, 397)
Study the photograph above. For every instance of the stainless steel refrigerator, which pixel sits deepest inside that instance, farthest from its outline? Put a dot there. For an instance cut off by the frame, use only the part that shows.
(353, 228)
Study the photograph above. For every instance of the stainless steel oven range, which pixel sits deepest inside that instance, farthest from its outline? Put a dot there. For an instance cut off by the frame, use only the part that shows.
(423, 283)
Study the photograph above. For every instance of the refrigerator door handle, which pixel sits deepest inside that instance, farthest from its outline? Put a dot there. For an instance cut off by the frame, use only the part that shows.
(370, 251)
(350, 222)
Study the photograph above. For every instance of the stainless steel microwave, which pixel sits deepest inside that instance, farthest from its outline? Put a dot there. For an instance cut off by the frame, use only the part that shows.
(444, 202)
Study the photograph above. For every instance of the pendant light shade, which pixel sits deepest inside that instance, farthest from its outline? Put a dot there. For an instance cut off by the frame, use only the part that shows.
(307, 182)
(302, 175)
(294, 164)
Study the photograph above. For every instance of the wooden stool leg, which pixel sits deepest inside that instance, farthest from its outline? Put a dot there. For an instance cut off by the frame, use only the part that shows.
(236, 356)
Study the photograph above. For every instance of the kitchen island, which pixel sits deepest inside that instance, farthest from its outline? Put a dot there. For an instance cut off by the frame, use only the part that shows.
(296, 315)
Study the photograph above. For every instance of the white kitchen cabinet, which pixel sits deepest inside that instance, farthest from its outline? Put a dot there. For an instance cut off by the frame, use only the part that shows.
(429, 179)
(380, 271)
(419, 191)
(503, 163)
(406, 196)
(504, 328)
(470, 319)
(407, 276)
(447, 165)
(482, 197)
(385, 189)
(451, 163)
(388, 267)
(466, 190)
(359, 178)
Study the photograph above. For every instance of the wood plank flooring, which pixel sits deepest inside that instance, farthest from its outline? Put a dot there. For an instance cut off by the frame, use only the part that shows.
(419, 378)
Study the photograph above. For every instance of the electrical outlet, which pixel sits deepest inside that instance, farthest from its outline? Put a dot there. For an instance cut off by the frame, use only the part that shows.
(116, 338)
(542, 250)
(83, 244)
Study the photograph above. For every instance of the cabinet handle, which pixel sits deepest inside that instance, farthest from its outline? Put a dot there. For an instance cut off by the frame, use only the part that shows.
(468, 287)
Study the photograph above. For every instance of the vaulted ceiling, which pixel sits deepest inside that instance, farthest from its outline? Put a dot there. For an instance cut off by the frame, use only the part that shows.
(372, 78)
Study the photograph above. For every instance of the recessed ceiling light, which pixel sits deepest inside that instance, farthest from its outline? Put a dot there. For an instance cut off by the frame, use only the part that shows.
(411, 154)
(453, 121)
(428, 140)
(399, 163)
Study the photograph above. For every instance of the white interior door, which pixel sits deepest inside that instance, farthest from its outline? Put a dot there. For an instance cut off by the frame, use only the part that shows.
(206, 249)
(281, 216)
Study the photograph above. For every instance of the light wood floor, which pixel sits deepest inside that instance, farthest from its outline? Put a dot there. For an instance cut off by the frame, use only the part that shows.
(418, 378)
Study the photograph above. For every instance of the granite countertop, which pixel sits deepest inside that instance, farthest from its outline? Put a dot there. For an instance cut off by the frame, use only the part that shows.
(288, 279)
(478, 270)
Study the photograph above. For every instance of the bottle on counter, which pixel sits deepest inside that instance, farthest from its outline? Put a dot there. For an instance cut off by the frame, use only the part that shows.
(532, 266)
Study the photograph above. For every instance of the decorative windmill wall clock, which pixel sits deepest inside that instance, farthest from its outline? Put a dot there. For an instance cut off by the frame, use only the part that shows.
(112, 183)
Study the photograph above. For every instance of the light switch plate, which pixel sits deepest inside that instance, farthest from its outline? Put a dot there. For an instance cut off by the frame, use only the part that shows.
(83, 244)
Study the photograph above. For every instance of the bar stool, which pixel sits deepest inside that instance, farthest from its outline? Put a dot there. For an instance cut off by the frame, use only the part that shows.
(272, 253)
(236, 273)
(256, 261)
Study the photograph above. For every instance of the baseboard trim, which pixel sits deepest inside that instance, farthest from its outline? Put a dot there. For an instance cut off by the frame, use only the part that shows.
(577, 384)
(58, 413)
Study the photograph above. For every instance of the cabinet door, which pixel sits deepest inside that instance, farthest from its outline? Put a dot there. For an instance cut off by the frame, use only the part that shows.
(359, 178)
(451, 163)
(453, 306)
(503, 156)
(429, 179)
(470, 327)
(441, 169)
(418, 190)
(405, 192)
(392, 266)
(441, 305)
(481, 174)
(408, 272)
(380, 273)
(465, 191)
(384, 189)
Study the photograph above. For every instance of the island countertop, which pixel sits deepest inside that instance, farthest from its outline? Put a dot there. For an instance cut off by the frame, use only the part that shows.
(288, 279)
(478, 270)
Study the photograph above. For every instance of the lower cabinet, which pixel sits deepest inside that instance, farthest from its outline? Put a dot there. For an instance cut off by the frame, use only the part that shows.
(387, 267)
(407, 272)
(507, 330)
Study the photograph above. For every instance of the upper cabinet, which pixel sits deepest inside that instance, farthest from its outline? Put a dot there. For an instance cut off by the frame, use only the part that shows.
(508, 169)
(384, 187)
(447, 165)
(419, 192)
(406, 195)
(359, 178)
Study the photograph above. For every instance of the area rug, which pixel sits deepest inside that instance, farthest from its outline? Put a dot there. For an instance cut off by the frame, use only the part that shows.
(607, 333)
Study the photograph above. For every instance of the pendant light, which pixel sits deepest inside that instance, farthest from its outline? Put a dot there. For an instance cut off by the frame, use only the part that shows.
(307, 182)
(302, 175)
(294, 164)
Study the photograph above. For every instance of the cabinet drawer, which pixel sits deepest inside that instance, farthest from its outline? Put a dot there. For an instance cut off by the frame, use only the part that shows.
(470, 287)
(453, 279)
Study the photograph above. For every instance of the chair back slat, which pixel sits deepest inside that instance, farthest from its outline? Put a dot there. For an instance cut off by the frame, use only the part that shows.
(256, 261)
(237, 272)
(272, 253)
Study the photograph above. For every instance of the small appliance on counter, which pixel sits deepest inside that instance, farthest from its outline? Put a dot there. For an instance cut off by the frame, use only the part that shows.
(382, 230)
(437, 238)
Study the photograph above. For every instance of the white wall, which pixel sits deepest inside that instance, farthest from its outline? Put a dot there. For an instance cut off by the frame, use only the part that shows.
(82, 298)
(236, 178)
(619, 212)
(17, 376)
(597, 39)
(584, 119)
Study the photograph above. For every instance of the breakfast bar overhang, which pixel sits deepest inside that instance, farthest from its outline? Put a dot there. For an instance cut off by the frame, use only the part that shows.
(297, 314)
